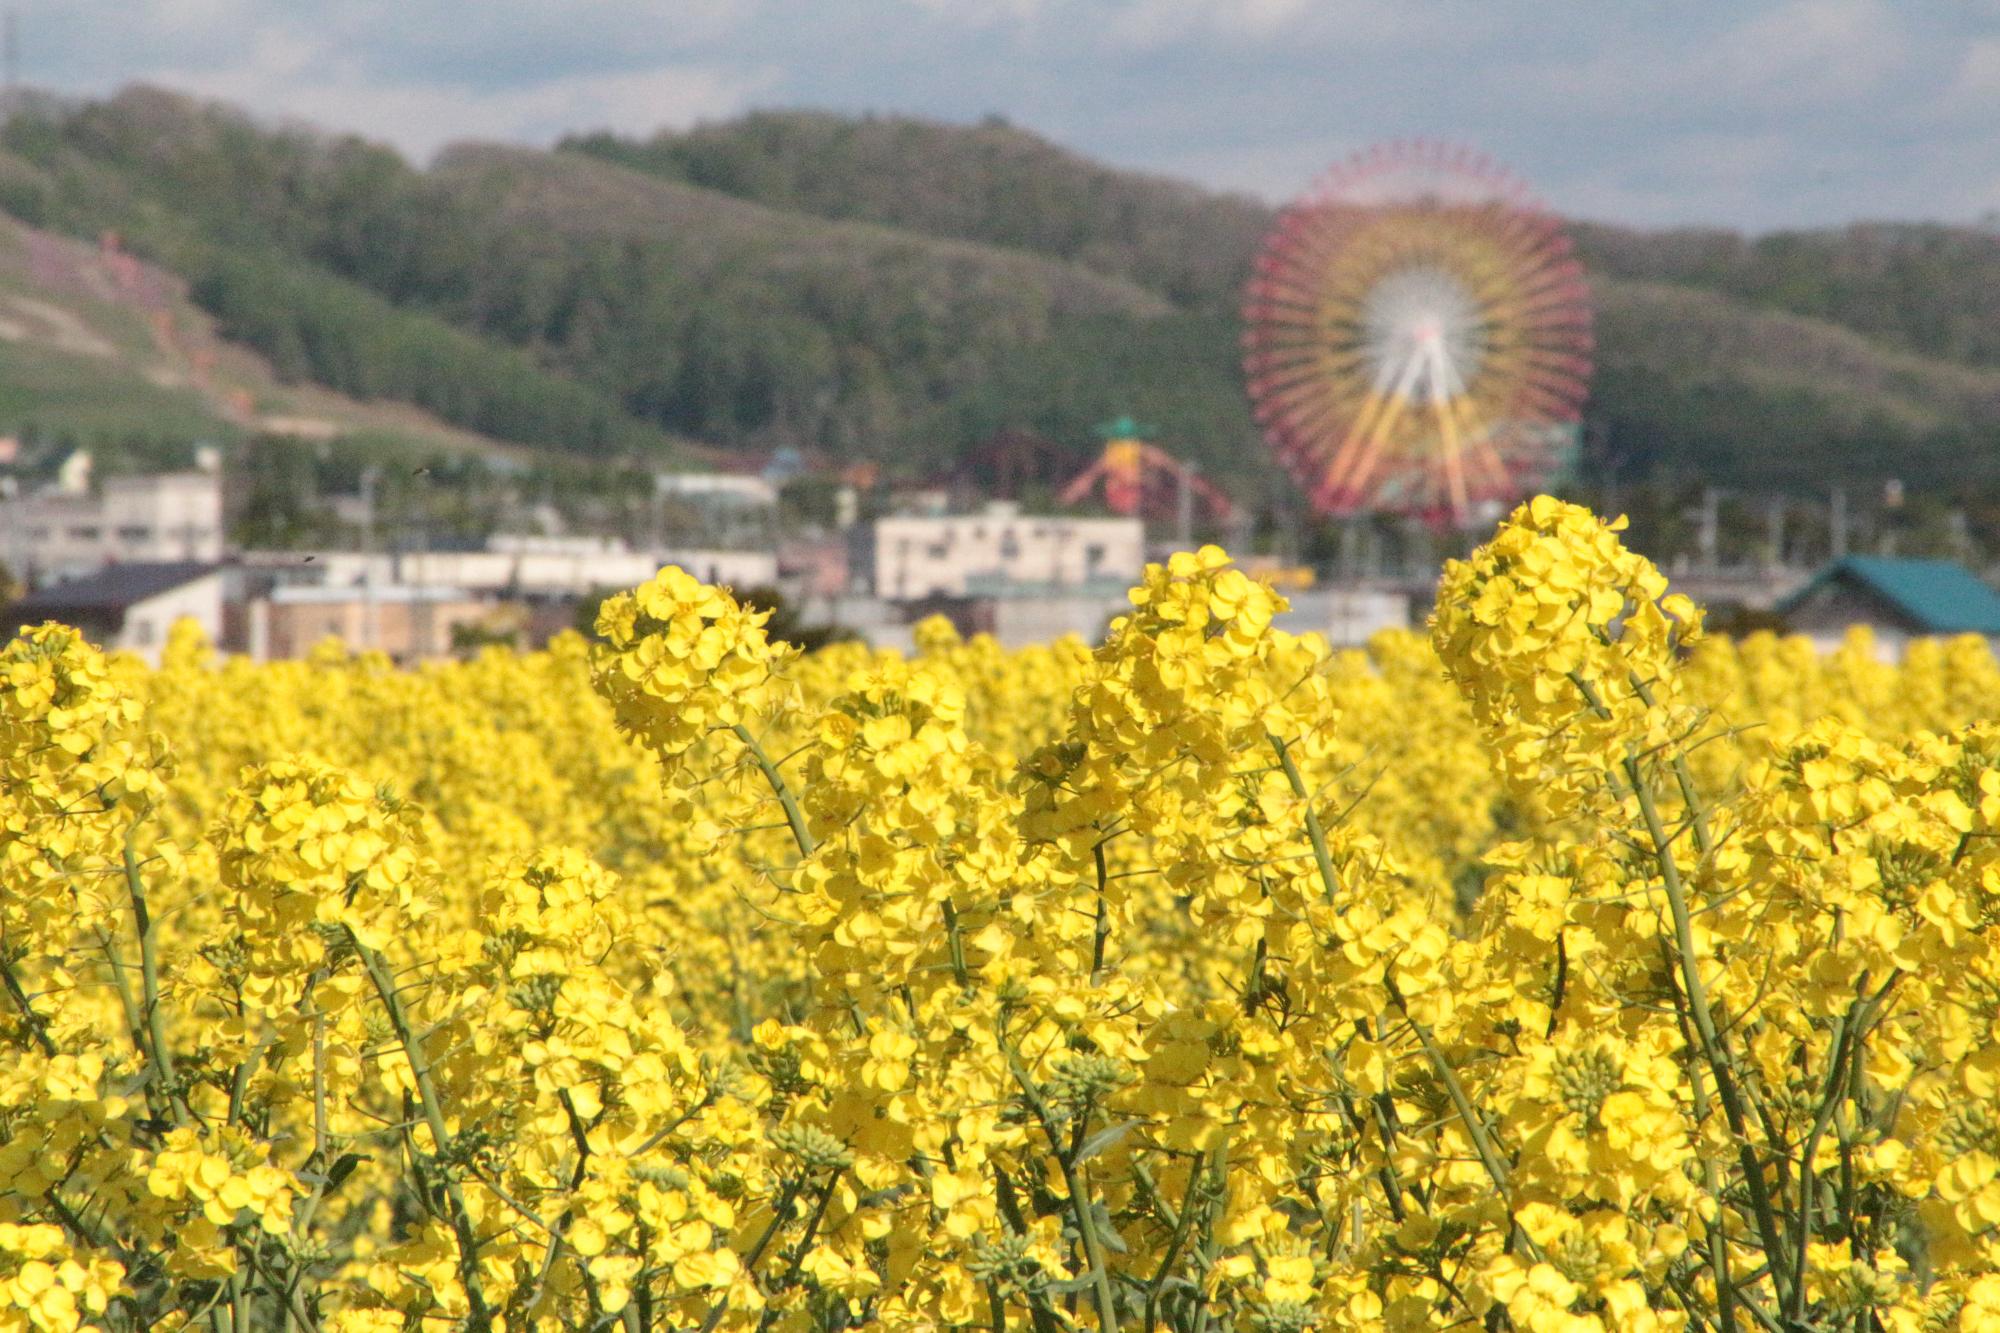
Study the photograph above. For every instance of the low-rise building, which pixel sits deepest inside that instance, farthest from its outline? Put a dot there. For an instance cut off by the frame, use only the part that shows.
(1897, 599)
(996, 553)
(1347, 616)
(129, 606)
(714, 509)
(409, 622)
(531, 568)
(69, 530)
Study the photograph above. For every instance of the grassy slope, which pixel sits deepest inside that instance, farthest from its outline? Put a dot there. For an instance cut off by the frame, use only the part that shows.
(1696, 381)
(102, 347)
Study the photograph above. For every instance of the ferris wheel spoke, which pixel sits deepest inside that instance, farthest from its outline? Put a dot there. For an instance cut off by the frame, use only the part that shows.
(1353, 445)
(1377, 432)
(1438, 362)
(1475, 430)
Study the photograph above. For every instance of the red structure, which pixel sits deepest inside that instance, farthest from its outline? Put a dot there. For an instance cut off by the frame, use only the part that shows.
(1140, 478)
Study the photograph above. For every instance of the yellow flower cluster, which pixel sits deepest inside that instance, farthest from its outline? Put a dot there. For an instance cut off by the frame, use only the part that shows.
(1564, 643)
(1204, 979)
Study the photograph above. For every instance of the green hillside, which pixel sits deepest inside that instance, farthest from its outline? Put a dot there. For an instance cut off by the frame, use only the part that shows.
(990, 183)
(890, 289)
(1917, 287)
(96, 346)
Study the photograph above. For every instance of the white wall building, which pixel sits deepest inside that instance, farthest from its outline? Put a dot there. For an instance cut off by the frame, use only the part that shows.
(717, 488)
(129, 606)
(1348, 617)
(998, 552)
(74, 529)
(519, 567)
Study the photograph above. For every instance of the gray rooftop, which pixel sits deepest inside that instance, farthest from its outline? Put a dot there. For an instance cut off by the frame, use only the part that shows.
(113, 588)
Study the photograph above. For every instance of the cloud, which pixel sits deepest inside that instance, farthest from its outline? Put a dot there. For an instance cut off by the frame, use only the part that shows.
(1754, 113)
(287, 81)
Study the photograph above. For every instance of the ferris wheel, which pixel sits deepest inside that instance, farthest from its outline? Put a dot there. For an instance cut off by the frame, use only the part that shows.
(1417, 337)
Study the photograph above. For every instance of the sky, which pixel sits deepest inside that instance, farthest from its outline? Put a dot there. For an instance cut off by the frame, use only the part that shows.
(1755, 114)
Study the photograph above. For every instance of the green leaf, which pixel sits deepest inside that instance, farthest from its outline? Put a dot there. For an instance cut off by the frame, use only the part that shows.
(1102, 1139)
(343, 1167)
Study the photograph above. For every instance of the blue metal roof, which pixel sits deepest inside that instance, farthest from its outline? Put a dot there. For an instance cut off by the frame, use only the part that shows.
(1941, 596)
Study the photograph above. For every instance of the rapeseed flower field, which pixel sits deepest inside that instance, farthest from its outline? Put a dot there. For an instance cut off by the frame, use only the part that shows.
(1562, 970)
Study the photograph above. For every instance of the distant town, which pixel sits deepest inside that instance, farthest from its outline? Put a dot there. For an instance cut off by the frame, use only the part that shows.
(124, 557)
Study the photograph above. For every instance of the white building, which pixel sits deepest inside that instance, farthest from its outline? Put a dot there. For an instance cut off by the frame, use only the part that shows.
(1348, 617)
(75, 528)
(526, 567)
(998, 552)
(129, 606)
(714, 509)
(732, 488)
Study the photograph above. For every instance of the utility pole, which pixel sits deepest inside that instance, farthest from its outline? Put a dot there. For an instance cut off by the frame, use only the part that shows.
(1837, 523)
(1707, 529)
(1774, 532)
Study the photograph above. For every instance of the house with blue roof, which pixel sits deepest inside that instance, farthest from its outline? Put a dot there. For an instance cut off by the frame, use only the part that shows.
(1898, 599)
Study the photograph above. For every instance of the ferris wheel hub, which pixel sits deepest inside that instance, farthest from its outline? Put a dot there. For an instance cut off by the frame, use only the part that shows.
(1426, 317)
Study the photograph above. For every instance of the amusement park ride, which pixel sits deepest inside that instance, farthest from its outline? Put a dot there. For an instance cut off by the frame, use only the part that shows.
(1417, 341)
(1135, 478)
(1417, 337)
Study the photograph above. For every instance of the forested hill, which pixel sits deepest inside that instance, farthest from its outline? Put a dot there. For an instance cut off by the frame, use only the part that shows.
(990, 183)
(891, 289)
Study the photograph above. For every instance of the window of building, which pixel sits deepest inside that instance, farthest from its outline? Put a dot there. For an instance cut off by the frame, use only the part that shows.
(83, 534)
(938, 550)
(134, 532)
(142, 633)
(1093, 556)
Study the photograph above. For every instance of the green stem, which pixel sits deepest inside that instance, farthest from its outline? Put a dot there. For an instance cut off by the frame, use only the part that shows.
(1717, 1055)
(802, 1246)
(37, 1025)
(1040, 1313)
(794, 817)
(1718, 1240)
(1830, 1097)
(958, 969)
(1102, 932)
(1313, 829)
(1181, 1221)
(155, 1024)
(1482, 1142)
(1690, 796)
(121, 981)
(782, 1206)
(481, 1318)
(1079, 1205)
